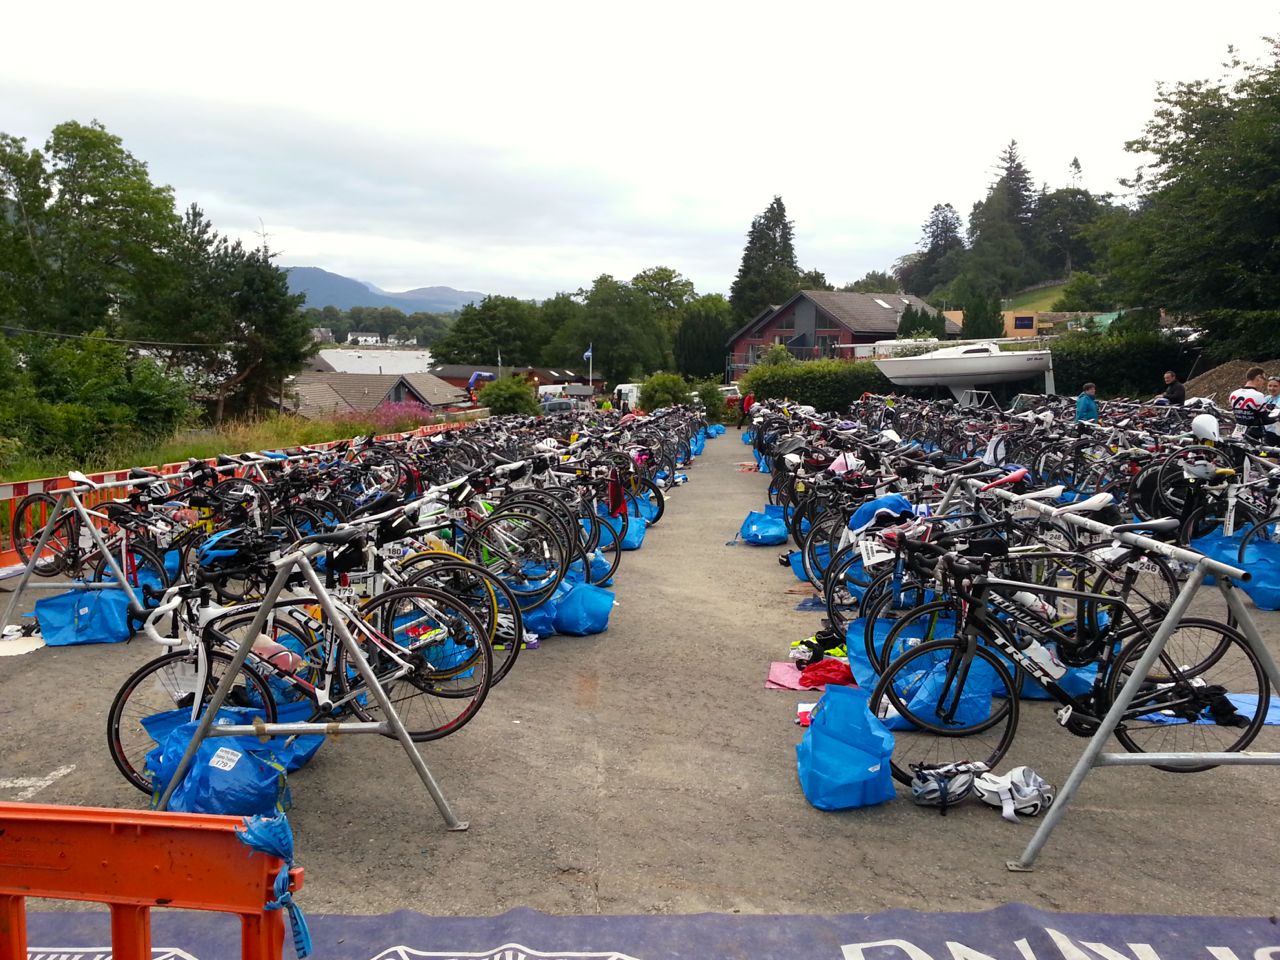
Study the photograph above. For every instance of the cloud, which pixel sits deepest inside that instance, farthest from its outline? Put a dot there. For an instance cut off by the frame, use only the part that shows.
(525, 149)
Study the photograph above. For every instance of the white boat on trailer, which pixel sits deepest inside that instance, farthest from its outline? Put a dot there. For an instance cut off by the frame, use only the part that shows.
(963, 367)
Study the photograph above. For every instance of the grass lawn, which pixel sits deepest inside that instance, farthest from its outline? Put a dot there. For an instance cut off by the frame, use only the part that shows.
(1036, 300)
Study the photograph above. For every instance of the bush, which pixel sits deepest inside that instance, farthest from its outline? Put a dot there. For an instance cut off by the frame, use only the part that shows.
(825, 384)
(1131, 364)
(712, 400)
(663, 390)
(777, 356)
(511, 394)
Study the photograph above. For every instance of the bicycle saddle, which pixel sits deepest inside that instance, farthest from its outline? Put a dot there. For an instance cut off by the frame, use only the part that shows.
(1160, 527)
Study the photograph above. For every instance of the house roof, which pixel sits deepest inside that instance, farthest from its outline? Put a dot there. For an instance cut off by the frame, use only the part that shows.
(433, 390)
(361, 391)
(865, 313)
(316, 400)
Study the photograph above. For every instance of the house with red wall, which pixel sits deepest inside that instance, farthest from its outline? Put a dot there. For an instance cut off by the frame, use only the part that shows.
(813, 322)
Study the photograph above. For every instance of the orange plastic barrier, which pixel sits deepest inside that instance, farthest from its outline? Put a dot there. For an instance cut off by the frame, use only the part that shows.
(133, 861)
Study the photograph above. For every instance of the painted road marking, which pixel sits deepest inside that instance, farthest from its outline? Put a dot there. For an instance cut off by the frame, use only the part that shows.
(30, 786)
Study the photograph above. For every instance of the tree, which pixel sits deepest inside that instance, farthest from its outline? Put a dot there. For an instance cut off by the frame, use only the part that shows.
(813, 280)
(704, 325)
(663, 390)
(940, 256)
(510, 394)
(777, 356)
(83, 231)
(983, 319)
(769, 273)
(620, 323)
(996, 257)
(874, 281)
(495, 325)
(242, 330)
(669, 291)
(1015, 181)
(1203, 240)
(909, 322)
(1082, 292)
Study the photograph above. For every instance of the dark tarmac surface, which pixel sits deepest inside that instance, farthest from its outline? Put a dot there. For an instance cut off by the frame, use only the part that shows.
(647, 770)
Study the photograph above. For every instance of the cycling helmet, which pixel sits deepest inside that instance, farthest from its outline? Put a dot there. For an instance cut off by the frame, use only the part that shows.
(943, 785)
(1205, 427)
(1020, 791)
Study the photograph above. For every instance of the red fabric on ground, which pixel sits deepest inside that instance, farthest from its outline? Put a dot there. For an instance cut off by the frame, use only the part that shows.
(829, 670)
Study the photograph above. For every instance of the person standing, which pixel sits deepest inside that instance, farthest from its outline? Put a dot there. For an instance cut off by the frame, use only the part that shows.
(1175, 394)
(1249, 405)
(744, 410)
(1087, 404)
(1273, 407)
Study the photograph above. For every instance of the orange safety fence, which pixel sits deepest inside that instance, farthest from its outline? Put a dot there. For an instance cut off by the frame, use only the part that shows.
(134, 861)
(11, 494)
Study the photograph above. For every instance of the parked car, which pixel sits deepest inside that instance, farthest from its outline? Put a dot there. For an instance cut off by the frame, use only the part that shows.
(563, 405)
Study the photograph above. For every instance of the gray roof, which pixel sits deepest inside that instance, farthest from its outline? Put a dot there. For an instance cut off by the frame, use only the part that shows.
(433, 390)
(361, 391)
(373, 361)
(863, 313)
(317, 400)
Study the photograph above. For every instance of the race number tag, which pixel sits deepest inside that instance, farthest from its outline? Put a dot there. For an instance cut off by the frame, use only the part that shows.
(225, 758)
(873, 554)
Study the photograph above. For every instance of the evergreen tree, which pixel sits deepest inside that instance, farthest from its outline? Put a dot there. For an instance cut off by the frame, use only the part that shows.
(983, 319)
(700, 336)
(908, 322)
(941, 252)
(769, 272)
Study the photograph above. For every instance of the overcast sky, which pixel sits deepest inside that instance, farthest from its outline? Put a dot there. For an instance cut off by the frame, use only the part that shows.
(526, 148)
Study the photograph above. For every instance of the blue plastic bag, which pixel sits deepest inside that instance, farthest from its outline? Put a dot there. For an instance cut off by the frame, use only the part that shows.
(763, 530)
(748, 437)
(843, 759)
(236, 776)
(84, 616)
(542, 621)
(1262, 560)
(584, 611)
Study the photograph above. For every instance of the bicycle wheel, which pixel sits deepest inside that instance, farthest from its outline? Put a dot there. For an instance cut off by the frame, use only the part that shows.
(1143, 581)
(946, 701)
(645, 500)
(1172, 485)
(1207, 692)
(161, 694)
(29, 519)
(242, 502)
(446, 646)
(525, 552)
(485, 595)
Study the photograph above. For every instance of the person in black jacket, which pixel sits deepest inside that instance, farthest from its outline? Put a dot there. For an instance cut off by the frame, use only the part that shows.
(1175, 394)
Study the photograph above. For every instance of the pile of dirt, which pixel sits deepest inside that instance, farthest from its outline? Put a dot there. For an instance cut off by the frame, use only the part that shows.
(1220, 381)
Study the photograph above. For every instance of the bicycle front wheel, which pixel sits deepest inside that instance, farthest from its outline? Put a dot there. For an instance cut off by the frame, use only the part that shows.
(946, 701)
(161, 694)
(446, 648)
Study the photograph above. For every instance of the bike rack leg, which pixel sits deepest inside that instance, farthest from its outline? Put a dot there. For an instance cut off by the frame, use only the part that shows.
(130, 932)
(1249, 627)
(392, 718)
(134, 603)
(1088, 759)
(30, 568)
(224, 685)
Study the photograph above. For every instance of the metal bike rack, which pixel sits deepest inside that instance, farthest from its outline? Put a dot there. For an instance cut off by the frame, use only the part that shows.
(72, 495)
(392, 725)
(1094, 755)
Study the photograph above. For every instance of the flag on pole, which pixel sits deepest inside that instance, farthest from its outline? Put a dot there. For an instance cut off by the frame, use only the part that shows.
(587, 355)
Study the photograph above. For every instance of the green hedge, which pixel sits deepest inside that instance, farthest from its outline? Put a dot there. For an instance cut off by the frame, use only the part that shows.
(1131, 365)
(825, 384)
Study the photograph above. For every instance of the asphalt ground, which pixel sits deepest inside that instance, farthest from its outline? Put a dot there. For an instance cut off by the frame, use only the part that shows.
(647, 770)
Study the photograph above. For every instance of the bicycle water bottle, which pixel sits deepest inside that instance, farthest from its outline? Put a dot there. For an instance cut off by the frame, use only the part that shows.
(1035, 604)
(1064, 580)
(1038, 653)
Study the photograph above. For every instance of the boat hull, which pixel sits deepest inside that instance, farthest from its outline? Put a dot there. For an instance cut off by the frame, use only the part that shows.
(964, 371)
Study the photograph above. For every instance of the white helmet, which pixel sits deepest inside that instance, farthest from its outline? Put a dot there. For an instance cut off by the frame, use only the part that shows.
(1020, 791)
(1205, 427)
(943, 785)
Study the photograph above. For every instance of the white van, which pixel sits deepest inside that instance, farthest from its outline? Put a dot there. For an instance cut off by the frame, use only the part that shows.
(630, 393)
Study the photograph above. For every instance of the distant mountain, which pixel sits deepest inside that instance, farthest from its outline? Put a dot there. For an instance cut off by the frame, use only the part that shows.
(325, 289)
